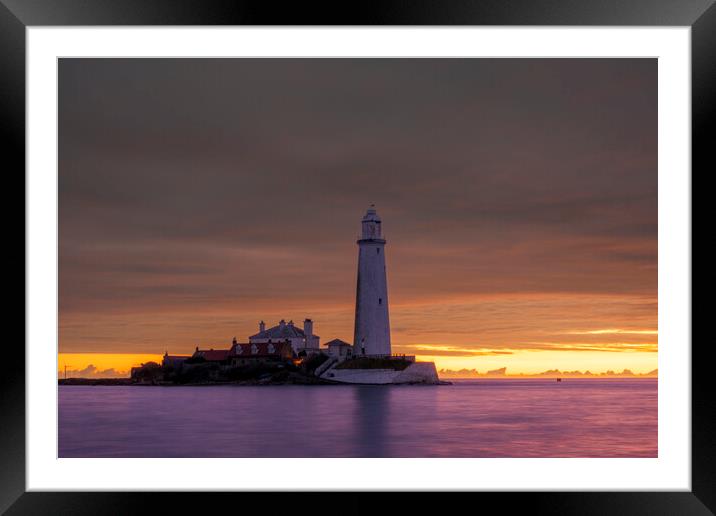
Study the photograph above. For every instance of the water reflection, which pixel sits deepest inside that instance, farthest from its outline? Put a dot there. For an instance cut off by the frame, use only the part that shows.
(482, 418)
(371, 414)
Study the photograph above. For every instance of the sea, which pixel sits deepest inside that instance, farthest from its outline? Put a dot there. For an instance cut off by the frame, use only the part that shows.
(470, 418)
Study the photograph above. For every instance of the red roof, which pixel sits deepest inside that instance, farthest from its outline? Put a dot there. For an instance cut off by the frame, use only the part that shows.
(212, 355)
(261, 349)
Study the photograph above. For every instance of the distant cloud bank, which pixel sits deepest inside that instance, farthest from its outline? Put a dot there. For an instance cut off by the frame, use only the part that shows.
(93, 372)
(551, 373)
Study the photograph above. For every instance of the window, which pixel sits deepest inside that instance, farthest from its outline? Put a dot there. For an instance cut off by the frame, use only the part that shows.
(380, 300)
(377, 250)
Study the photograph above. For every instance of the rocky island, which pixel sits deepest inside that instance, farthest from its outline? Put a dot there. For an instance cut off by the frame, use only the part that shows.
(287, 354)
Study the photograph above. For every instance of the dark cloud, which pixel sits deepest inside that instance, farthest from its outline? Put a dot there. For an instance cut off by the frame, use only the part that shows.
(188, 183)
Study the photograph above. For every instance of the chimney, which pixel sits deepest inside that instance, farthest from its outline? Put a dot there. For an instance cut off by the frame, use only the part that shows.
(262, 326)
(308, 328)
(290, 323)
(282, 324)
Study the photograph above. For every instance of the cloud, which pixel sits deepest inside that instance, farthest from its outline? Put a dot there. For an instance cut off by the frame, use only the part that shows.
(92, 372)
(507, 349)
(613, 331)
(551, 373)
(436, 350)
(650, 347)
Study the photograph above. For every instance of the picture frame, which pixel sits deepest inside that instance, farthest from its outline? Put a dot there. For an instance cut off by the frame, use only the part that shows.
(17, 15)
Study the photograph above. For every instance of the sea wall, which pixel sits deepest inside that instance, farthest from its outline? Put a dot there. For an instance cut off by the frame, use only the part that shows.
(362, 376)
(419, 372)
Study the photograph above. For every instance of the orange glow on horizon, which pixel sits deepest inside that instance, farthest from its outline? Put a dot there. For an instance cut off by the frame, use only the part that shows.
(535, 362)
(99, 365)
(527, 333)
(116, 365)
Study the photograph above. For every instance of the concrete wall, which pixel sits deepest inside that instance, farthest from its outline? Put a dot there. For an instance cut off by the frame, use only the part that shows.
(362, 376)
(419, 372)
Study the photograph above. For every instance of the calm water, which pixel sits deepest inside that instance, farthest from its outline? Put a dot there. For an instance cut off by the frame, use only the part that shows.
(471, 418)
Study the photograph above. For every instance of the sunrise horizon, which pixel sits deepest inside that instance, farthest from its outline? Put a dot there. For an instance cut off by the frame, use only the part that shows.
(508, 245)
(110, 365)
(599, 350)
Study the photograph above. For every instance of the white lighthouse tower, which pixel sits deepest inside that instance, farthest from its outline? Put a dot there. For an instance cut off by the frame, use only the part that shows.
(372, 327)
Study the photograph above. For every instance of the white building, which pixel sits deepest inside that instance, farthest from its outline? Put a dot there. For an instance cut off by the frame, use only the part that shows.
(372, 326)
(339, 349)
(300, 339)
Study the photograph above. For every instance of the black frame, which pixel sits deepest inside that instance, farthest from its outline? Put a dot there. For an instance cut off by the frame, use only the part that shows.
(16, 15)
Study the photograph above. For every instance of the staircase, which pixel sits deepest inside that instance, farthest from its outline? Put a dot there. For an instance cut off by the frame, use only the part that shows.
(325, 366)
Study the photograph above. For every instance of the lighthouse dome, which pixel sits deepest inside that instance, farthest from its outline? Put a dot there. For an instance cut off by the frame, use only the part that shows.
(371, 215)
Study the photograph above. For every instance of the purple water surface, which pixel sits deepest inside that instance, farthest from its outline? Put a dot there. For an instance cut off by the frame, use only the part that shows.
(471, 418)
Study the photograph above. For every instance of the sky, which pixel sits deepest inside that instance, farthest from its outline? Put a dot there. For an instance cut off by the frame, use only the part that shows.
(518, 198)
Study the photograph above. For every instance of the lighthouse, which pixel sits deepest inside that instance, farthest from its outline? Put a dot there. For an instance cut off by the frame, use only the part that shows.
(372, 326)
